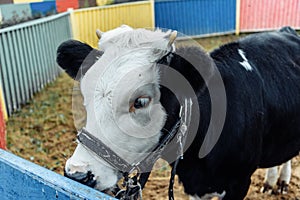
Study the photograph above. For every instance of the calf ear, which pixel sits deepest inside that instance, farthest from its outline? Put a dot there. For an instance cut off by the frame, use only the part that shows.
(76, 58)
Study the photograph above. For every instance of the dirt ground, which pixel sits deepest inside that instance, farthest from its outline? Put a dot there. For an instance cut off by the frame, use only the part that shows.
(157, 186)
(43, 132)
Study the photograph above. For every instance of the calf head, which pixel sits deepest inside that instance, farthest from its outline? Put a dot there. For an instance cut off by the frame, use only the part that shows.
(127, 104)
(121, 92)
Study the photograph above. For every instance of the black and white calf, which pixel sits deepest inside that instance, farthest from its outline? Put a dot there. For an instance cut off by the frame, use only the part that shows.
(130, 108)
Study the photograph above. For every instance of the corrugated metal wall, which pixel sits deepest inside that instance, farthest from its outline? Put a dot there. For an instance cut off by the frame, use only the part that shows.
(196, 17)
(27, 57)
(269, 14)
(86, 21)
(103, 2)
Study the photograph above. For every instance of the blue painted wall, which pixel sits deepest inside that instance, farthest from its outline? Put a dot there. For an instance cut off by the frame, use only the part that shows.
(196, 17)
(42, 9)
(23, 180)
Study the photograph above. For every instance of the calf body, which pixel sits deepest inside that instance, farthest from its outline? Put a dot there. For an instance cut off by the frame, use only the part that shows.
(261, 74)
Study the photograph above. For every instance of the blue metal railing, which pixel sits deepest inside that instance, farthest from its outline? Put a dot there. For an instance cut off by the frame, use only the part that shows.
(27, 57)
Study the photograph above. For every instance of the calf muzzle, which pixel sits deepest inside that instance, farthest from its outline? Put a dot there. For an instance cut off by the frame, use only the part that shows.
(84, 178)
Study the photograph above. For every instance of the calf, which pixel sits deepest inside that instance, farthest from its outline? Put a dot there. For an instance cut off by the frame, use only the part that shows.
(260, 82)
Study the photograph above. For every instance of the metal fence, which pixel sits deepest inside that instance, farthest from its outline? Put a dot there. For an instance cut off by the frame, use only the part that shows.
(190, 17)
(28, 57)
(27, 51)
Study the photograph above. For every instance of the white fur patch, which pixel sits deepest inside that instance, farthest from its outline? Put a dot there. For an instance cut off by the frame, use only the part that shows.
(271, 176)
(286, 172)
(125, 37)
(209, 196)
(245, 63)
(106, 38)
(276, 175)
(126, 71)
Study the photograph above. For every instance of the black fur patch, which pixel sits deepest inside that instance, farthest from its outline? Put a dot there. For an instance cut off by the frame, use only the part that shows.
(263, 111)
(73, 55)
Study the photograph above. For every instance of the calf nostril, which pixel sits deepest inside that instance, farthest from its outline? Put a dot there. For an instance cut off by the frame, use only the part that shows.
(66, 171)
(84, 178)
(76, 176)
(89, 180)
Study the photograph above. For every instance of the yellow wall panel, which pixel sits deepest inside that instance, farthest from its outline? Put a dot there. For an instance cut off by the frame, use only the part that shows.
(104, 2)
(26, 1)
(86, 21)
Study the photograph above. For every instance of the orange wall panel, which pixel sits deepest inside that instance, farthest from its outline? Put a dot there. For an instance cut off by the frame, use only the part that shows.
(63, 5)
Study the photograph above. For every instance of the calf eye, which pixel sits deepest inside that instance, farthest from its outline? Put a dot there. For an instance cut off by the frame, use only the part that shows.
(141, 102)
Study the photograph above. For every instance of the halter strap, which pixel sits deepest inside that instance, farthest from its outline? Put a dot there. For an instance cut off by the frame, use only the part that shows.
(144, 166)
(113, 159)
(103, 151)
